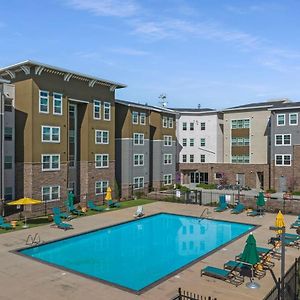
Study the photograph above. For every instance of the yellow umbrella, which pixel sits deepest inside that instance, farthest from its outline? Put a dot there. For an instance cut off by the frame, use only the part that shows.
(108, 194)
(279, 221)
(25, 201)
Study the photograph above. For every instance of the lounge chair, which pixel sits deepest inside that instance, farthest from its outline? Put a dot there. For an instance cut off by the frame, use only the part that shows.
(5, 225)
(296, 224)
(91, 205)
(292, 236)
(62, 225)
(222, 274)
(74, 211)
(261, 252)
(56, 211)
(243, 268)
(112, 203)
(139, 212)
(289, 242)
(238, 209)
(222, 206)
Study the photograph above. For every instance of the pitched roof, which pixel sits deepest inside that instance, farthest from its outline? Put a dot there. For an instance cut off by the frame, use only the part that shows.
(283, 106)
(257, 105)
(194, 110)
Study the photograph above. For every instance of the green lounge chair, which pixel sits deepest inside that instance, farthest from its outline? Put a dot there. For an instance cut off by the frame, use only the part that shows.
(261, 252)
(296, 224)
(289, 242)
(74, 211)
(58, 222)
(222, 274)
(112, 203)
(222, 207)
(292, 236)
(241, 267)
(5, 225)
(56, 211)
(238, 209)
(91, 205)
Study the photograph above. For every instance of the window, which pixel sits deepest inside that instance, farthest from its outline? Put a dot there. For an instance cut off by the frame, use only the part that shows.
(184, 158)
(44, 102)
(50, 162)
(101, 160)
(192, 142)
(138, 160)
(106, 111)
(8, 161)
(202, 126)
(192, 126)
(184, 142)
(71, 160)
(101, 187)
(8, 134)
(293, 119)
(8, 193)
(191, 158)
(57, 104)
(138, 139)
(142, 118)
(50, 193)
(50, 134)
(283, 159)
(202, 142)
(167, 140)
(138, 183)
(101, 137)
(184, 126)
(97, 110)
(165, 122)
(239, 141)
(167, 159)
(7, 104)
(135, 117)
(282, 139)
(237, 124)
(202, 158)
(167, 179)
(241, 159)
(281, 120)
(170, 122)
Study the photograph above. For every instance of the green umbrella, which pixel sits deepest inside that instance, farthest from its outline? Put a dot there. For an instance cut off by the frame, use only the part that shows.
(261, 199)
(250, 254)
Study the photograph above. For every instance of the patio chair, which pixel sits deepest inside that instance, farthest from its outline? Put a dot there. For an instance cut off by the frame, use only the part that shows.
(296, 224)
(238, 209)
(289, 242)
(139, 212)
(91, 205)
(261, 252)
(5, 225)
(112, 203)
(222, 207)
(62, 225)
(222, 274)
(243, 268)
(56, 211)
(292, 236)
(74, 211)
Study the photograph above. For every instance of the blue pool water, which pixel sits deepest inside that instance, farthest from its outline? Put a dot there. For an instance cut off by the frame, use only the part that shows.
(136, 254)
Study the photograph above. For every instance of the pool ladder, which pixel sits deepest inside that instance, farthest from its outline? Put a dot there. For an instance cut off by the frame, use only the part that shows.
(208, 214)
(33, 240)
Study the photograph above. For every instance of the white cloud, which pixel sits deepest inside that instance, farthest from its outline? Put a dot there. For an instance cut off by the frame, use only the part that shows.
(117, 8)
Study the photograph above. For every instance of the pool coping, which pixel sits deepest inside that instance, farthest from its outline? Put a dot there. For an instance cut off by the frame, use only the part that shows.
(153, 284)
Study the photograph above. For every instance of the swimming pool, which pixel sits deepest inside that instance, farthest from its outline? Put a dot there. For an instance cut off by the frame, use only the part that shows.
(137, 254)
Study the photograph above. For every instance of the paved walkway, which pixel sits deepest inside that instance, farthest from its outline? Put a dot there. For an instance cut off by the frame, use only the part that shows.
(23, 278)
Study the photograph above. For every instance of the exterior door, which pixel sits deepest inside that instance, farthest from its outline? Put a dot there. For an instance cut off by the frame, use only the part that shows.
(240, 178)
(282, 184)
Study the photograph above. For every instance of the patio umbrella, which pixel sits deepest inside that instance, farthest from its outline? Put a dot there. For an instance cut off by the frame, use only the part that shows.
(260, 201)
(250, 256)
(108, 196)
(25, 201)
(279, 221)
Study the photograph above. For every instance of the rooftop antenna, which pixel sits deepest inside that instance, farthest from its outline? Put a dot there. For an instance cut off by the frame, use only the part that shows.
(199, 105)
(163, 102)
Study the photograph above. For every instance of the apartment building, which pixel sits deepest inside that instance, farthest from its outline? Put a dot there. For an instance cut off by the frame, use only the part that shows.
(7, 140)
(65, 132)
(285, 146)
(145, 147)
(199, 143)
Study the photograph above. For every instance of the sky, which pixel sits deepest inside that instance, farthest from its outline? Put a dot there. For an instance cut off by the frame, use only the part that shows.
(216, 53)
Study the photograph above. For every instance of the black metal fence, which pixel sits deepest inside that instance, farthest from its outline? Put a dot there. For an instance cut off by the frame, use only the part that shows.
(184, 295)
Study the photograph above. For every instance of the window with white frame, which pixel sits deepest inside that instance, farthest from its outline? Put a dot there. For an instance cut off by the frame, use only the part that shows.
(135, 117)
(97, 110)
(192, 126)
(101, 137)
(283, 159)
(57, 104)
(170, 122)
(143, 118)
(202, 142)
(192, 158)
(50, 193)
(167, 159)
(8, 162)
(241, 123)
(184, 142)
(106, 111)
(101, 187)
(138, 160)
(138, 183)
(192, 142)
(50, 134)
(240, 159)
(280, 119)
(101, 160)
(282, 139)
(167, 140)
(235, 141)
(184, 126)
(167, 179)
(8, 133)
(184, 158)
(44, 102)
(138, 139)
(50, 162)
(293, 118)
(202, 158)
(202, 126)
(165, 122)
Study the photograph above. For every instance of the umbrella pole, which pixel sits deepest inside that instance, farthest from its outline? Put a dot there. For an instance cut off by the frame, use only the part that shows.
(252, 284)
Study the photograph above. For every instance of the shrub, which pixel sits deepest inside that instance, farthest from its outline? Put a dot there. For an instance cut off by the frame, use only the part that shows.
(296, 193)
(209, 186)
(271, 191)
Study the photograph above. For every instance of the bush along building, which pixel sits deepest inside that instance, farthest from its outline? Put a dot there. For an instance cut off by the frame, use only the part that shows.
(145, 148)
(65, 132)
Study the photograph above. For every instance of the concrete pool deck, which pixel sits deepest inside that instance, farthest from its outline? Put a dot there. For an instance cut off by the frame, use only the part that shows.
(26, 279)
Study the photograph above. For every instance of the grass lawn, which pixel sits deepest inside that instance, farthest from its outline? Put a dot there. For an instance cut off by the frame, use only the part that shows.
(44, 220)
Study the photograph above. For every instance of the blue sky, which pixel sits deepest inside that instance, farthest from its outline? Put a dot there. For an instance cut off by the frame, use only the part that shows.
(215, 53)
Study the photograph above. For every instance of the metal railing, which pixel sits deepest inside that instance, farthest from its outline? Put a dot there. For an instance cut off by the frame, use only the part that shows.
(184, 295)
